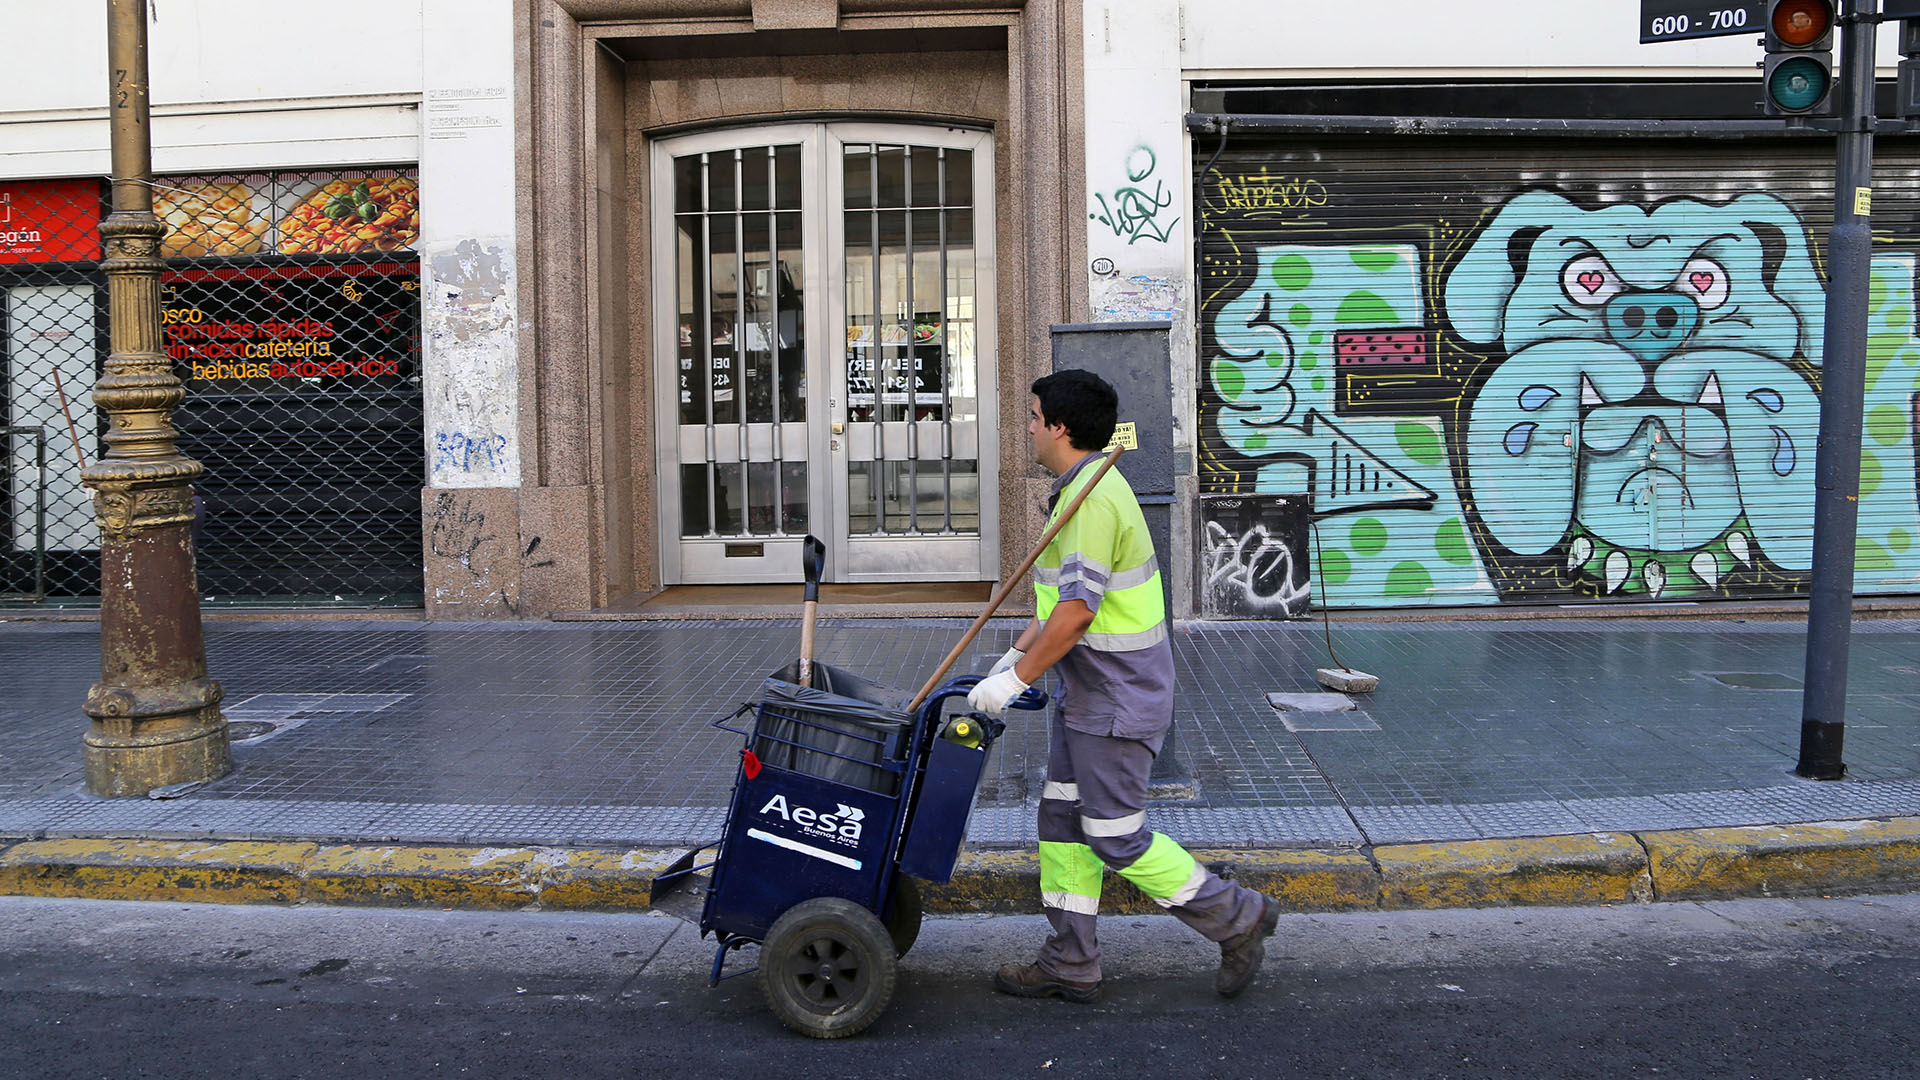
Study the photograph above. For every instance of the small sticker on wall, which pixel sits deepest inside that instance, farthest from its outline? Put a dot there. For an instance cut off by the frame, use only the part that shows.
(1863, 201)
(1124, 435)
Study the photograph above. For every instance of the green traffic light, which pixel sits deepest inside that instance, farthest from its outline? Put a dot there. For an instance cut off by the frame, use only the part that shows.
(1797, 84)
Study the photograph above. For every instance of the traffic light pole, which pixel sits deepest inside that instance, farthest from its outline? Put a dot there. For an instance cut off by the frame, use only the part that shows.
(1843, 372)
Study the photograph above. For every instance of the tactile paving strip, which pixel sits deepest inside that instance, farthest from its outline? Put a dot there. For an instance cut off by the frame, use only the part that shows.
(357, 822)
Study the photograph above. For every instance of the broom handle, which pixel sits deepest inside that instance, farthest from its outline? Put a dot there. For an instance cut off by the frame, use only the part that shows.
(1032, 557)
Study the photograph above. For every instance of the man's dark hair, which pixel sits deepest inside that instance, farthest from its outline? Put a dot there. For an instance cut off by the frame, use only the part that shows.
(1083, 402)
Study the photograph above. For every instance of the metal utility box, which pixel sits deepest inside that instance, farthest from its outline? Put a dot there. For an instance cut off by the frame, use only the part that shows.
(1136, 358)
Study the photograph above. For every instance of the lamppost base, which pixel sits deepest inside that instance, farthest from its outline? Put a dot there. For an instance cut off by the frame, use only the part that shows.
(149, 738)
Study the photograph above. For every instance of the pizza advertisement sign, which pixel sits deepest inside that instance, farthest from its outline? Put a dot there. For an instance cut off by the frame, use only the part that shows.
(47, 221)
(342, 212)
(334, 212)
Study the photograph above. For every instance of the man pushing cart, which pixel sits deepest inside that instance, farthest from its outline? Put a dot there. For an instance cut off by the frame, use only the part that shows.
(846, 795)
(1101, 623)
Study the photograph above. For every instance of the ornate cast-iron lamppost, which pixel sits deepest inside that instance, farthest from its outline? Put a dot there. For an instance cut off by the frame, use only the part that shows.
(156, 715)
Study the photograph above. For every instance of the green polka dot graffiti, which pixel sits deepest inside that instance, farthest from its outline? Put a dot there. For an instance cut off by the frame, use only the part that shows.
(1555, 401)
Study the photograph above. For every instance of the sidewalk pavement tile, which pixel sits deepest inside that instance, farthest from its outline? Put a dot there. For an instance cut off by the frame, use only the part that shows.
(601, 733)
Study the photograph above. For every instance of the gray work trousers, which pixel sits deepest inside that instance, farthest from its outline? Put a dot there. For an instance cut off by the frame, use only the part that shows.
(1096, 796)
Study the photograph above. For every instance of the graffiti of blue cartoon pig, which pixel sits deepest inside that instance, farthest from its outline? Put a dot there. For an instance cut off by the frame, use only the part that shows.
(1647, 381)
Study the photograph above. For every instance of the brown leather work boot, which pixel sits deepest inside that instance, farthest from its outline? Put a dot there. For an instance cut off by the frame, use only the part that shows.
(1034, 981)
(1240, 955)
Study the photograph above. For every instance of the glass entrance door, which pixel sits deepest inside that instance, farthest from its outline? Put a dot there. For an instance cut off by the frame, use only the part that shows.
(824, 353)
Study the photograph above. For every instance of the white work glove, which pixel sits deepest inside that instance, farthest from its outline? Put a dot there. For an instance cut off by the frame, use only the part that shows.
(1006, 661)
(995, 691)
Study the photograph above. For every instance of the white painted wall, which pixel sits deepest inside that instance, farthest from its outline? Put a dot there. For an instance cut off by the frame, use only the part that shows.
(237, 84)
(1139, 219)
(1136, 134)
(469, 332)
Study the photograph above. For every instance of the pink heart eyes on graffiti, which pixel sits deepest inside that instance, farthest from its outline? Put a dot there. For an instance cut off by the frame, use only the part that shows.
(1705, 281)
(1589, 281)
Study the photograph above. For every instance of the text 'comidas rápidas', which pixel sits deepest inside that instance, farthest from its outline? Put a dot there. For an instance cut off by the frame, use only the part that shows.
(218, 349)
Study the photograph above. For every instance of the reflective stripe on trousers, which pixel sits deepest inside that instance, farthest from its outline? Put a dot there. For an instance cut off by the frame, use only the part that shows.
(1093, 817)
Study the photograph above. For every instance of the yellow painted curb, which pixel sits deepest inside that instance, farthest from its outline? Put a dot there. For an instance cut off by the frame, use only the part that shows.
(1304, 880)
(1599, 868)
(1002, 882)
(599, 879)
(464, 877)
(210, 872)
(1785, 860)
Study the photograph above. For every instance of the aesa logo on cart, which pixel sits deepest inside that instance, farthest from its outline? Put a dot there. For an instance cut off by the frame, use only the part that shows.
(842, 825)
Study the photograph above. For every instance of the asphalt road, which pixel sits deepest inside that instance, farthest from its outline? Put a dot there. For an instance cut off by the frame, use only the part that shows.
(1768, 988)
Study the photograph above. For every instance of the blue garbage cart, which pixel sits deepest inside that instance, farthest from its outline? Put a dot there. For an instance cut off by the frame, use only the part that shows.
(843, 800)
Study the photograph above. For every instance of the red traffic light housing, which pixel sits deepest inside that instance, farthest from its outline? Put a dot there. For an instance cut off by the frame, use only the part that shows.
(1797, 74)
(1801, 24)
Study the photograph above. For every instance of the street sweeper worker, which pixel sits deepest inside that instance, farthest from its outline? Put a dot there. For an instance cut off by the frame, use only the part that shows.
(1101, 623)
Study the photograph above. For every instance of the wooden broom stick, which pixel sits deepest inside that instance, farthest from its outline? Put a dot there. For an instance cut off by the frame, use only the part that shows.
(1032, 557)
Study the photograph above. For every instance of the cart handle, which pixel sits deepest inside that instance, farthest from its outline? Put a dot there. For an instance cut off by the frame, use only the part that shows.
(1031, 698)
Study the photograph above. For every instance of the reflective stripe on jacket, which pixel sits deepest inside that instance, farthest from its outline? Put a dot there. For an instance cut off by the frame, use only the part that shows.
(1103, 557)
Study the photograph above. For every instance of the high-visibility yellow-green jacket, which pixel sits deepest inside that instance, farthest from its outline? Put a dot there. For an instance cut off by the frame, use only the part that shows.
(1119, 679)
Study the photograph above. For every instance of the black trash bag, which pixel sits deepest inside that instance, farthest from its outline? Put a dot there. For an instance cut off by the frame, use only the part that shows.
(843, 728)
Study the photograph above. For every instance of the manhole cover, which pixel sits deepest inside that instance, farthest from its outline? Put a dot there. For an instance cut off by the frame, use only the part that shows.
(1754, 680)
(242, 730)
(1320, 712)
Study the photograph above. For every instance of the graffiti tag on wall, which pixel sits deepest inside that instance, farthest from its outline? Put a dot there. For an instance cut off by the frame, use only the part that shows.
(1559, 401)
(459, 450)
(1134, 213)
(1268, 195)
(1254, 556)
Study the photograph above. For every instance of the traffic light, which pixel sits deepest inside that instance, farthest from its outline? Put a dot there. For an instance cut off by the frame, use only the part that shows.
(1909, 85)
(1797, 75)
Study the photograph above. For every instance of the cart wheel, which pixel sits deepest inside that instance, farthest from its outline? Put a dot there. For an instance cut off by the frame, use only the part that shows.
(828, 968)
(903, 923)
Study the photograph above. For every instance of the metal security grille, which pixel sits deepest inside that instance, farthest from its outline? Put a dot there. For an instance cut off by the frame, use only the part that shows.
(909, 223)
(743, 385)
(825, 294)
(290, 309)
(1540, 370)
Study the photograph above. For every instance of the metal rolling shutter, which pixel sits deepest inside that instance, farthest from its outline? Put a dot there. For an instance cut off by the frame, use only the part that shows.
(314, 460)
(1543, 371)
(294, 325)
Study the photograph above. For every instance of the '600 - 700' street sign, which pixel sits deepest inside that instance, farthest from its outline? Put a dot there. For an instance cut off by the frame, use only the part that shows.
(1670, 20)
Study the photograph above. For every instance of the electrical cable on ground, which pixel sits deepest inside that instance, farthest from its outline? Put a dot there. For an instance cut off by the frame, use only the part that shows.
(1346, 680)
(1326, 620)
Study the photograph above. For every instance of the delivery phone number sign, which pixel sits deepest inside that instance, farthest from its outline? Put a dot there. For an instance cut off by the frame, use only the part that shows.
(1672, 20)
